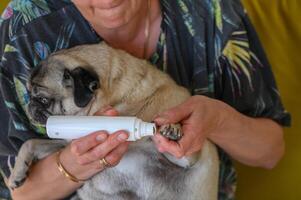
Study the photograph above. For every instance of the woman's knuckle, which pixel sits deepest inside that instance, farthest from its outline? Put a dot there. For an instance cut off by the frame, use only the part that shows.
(95, 154)
(97, 166)
(113, 142)
(74, 150)
(74, 144)
(81, 161)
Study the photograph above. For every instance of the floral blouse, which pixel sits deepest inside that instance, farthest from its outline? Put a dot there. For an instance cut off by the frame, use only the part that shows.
(207, 46)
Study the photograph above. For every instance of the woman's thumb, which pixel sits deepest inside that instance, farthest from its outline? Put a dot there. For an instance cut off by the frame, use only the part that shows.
(107, 111)
(173, 115)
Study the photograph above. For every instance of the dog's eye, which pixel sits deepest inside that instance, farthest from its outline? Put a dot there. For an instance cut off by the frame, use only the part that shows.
(44, 100)
(93, 86)
(67, 75)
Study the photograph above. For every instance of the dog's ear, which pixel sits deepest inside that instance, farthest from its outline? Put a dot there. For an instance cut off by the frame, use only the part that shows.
(85, 83)
(32, 74)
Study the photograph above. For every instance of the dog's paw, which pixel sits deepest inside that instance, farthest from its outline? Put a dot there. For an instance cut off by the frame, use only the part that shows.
(13, 184)
(16, 181)
(18, 176)
(171, 131)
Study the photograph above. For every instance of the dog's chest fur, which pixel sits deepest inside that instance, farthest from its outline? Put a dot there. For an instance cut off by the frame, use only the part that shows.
(141, 174)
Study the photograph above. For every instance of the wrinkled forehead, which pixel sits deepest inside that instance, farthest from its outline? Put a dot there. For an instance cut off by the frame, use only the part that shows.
(43, 77)
(65, 61)
(46, 72)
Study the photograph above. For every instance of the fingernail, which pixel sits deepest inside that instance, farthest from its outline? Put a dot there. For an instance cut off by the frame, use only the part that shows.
(101, 137)
(122, 137)
(106, 108)
(111, 112)
(161, 117)
(103, 110)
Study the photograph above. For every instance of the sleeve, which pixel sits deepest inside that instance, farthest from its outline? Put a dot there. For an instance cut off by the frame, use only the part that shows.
(26, 38)
(7, 153)
(15, 127)
(243, 76)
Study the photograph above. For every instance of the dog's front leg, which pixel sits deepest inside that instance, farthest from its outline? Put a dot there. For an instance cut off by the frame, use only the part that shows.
(31, 151)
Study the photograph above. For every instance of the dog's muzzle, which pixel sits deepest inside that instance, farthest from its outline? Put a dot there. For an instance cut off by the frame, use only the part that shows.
(38, 111)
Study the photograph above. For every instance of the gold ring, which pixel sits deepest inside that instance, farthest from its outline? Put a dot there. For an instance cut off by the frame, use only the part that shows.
(104, 163)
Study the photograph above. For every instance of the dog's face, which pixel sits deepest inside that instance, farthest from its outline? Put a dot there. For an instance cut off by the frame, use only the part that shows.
(84, 79)
(61, 86)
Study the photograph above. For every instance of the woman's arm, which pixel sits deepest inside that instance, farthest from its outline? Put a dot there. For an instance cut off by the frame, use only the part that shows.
(44, 179)
(80, 158)
(256, 142)
(252, 141)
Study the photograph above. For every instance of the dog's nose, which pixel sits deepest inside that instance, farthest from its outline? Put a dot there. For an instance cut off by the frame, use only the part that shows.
(38, 112)
(43, 101)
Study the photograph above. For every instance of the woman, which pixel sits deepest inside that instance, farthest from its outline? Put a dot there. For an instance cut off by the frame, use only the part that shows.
(208, 46)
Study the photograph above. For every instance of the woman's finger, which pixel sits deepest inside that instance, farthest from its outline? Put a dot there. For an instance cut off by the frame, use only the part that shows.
(174, 115)
(104, 148)
(107, 111)
(115, 156)
(84, 144)
(172, 147)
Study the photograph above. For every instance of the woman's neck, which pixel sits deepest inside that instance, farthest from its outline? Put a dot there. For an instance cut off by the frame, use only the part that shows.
(131, 36)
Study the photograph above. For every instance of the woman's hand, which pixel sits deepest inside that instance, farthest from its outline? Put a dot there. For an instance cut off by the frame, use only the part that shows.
(80, 158)
(86, 152)
(199, 116)
(252, 141)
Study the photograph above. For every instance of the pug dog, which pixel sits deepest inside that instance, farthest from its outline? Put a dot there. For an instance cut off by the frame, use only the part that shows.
(84, 79)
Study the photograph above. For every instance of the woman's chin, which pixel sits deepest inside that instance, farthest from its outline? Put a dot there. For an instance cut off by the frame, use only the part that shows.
(113, 21)
(112, 15)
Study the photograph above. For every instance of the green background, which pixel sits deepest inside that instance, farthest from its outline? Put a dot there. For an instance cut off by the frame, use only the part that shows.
(278, 25)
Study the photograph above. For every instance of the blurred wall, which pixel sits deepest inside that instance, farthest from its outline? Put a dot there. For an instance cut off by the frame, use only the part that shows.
(3, 4)
(278, 25)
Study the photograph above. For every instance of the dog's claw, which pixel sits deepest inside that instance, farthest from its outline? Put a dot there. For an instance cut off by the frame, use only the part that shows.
(171, 131)
(16, 183)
